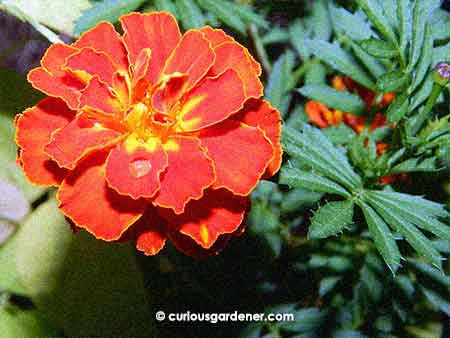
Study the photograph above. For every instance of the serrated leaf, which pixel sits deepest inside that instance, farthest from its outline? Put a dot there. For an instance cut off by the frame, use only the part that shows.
(392, 82)
(412, 235)
(372, 64)
(333, 98)
(398, 108)
(331, 219)
(190, 14)
(438, 301)
(340, 60)
(108, 10)
(379, 48)
(327, 284)
(316, 74)
(340, 134)
(404, 15)
(433, 273)
(416, 165)
(280, 82)
(422, 93)
(224, 12)
(299, 38)
(297, 178)
(322, 22)
(358, 30)
(378, 18)
(382, 237)
(425, 58)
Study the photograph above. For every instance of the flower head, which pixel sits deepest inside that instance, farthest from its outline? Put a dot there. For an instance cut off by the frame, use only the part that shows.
(151, 134)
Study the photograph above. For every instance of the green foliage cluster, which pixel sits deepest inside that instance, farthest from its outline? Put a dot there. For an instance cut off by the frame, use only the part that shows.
(327, 241)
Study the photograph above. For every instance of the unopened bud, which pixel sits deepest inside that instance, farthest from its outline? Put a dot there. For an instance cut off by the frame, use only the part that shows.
(441, 73)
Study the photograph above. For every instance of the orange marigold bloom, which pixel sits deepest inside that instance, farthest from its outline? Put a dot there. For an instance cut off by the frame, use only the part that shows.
(151, 134)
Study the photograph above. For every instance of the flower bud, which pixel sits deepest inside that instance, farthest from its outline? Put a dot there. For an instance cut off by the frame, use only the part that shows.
(441, 73)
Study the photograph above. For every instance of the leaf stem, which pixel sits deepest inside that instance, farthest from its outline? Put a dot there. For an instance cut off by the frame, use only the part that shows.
(424, 114)
(259, 48)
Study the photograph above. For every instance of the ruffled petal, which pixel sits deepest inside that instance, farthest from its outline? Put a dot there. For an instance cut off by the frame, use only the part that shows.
(79, 138)
(217, 212)
(233, 55)
(55, 58)
(192, 56)
(241, 154)
(134, 169)
(34, 129)
(190, 171)
(212, 101)
(104, 38)
(158, 31)
(169, 92)
(89, 62)
(140, 69)
(259, 113)
(87, 200)
(98, 95)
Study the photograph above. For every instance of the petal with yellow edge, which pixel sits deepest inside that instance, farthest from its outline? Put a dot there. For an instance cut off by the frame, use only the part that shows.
(89, 62)
(104, 38)
(79, 138)
(149, 232)
(190, 171)
(55, 58)
(158, 31)
(259, 113)
(241, 154)
(98, 95)
(192, 56)
(87, 200)
(134, 168)
(233, 55)
(212, 101)
(140, 69)
(218, 212)
(34, 129)
(169, 92)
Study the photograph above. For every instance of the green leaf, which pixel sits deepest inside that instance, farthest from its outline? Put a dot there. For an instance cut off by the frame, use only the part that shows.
(331, 219)
(296, 178)
(166, 5)
(305, 320)
(382, 237)
(249, 15)
(379, 48)
(434, 274)
(340, 134)
(91, 280)
(316, 74)
(437, 301)
(412, 235)
(299, 39)
(398, 108)
(190, 14)
(404, 15)
(358, 30)
(441, 53)
(280, 82)
(24, 324)
(425, 59)
(416, 165)
(275, 35)
(372, 64)
(333, 98)
(321, 20)
(340, 60)
(422, 93)
(58, 15)
(224, 12)
(378, 18)
(392, 81)
(327, 284)
(108, 10)
(299, 199)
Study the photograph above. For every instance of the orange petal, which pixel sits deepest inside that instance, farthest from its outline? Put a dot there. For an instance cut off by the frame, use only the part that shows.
(259, 113)
(140, 70)
(158, 31)
(217, 212)
(134, 169)
(193, 56)
(79, 138)
(315, 113)
(98, 95)
(87, 200)
(104, 38)
(212, 101)
(240, 153)
(233, 55)
(169, 92)
(190, 171)
(55, 58)
(34, 129)
(66, 88)
(218, 36)
(149, 232)
(89, 62)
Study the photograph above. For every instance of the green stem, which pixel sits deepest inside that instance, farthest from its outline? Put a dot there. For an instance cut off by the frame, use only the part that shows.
(425, 113)
(259, 48)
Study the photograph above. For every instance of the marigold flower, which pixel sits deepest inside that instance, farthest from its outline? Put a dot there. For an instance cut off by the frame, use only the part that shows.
(151, 134)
